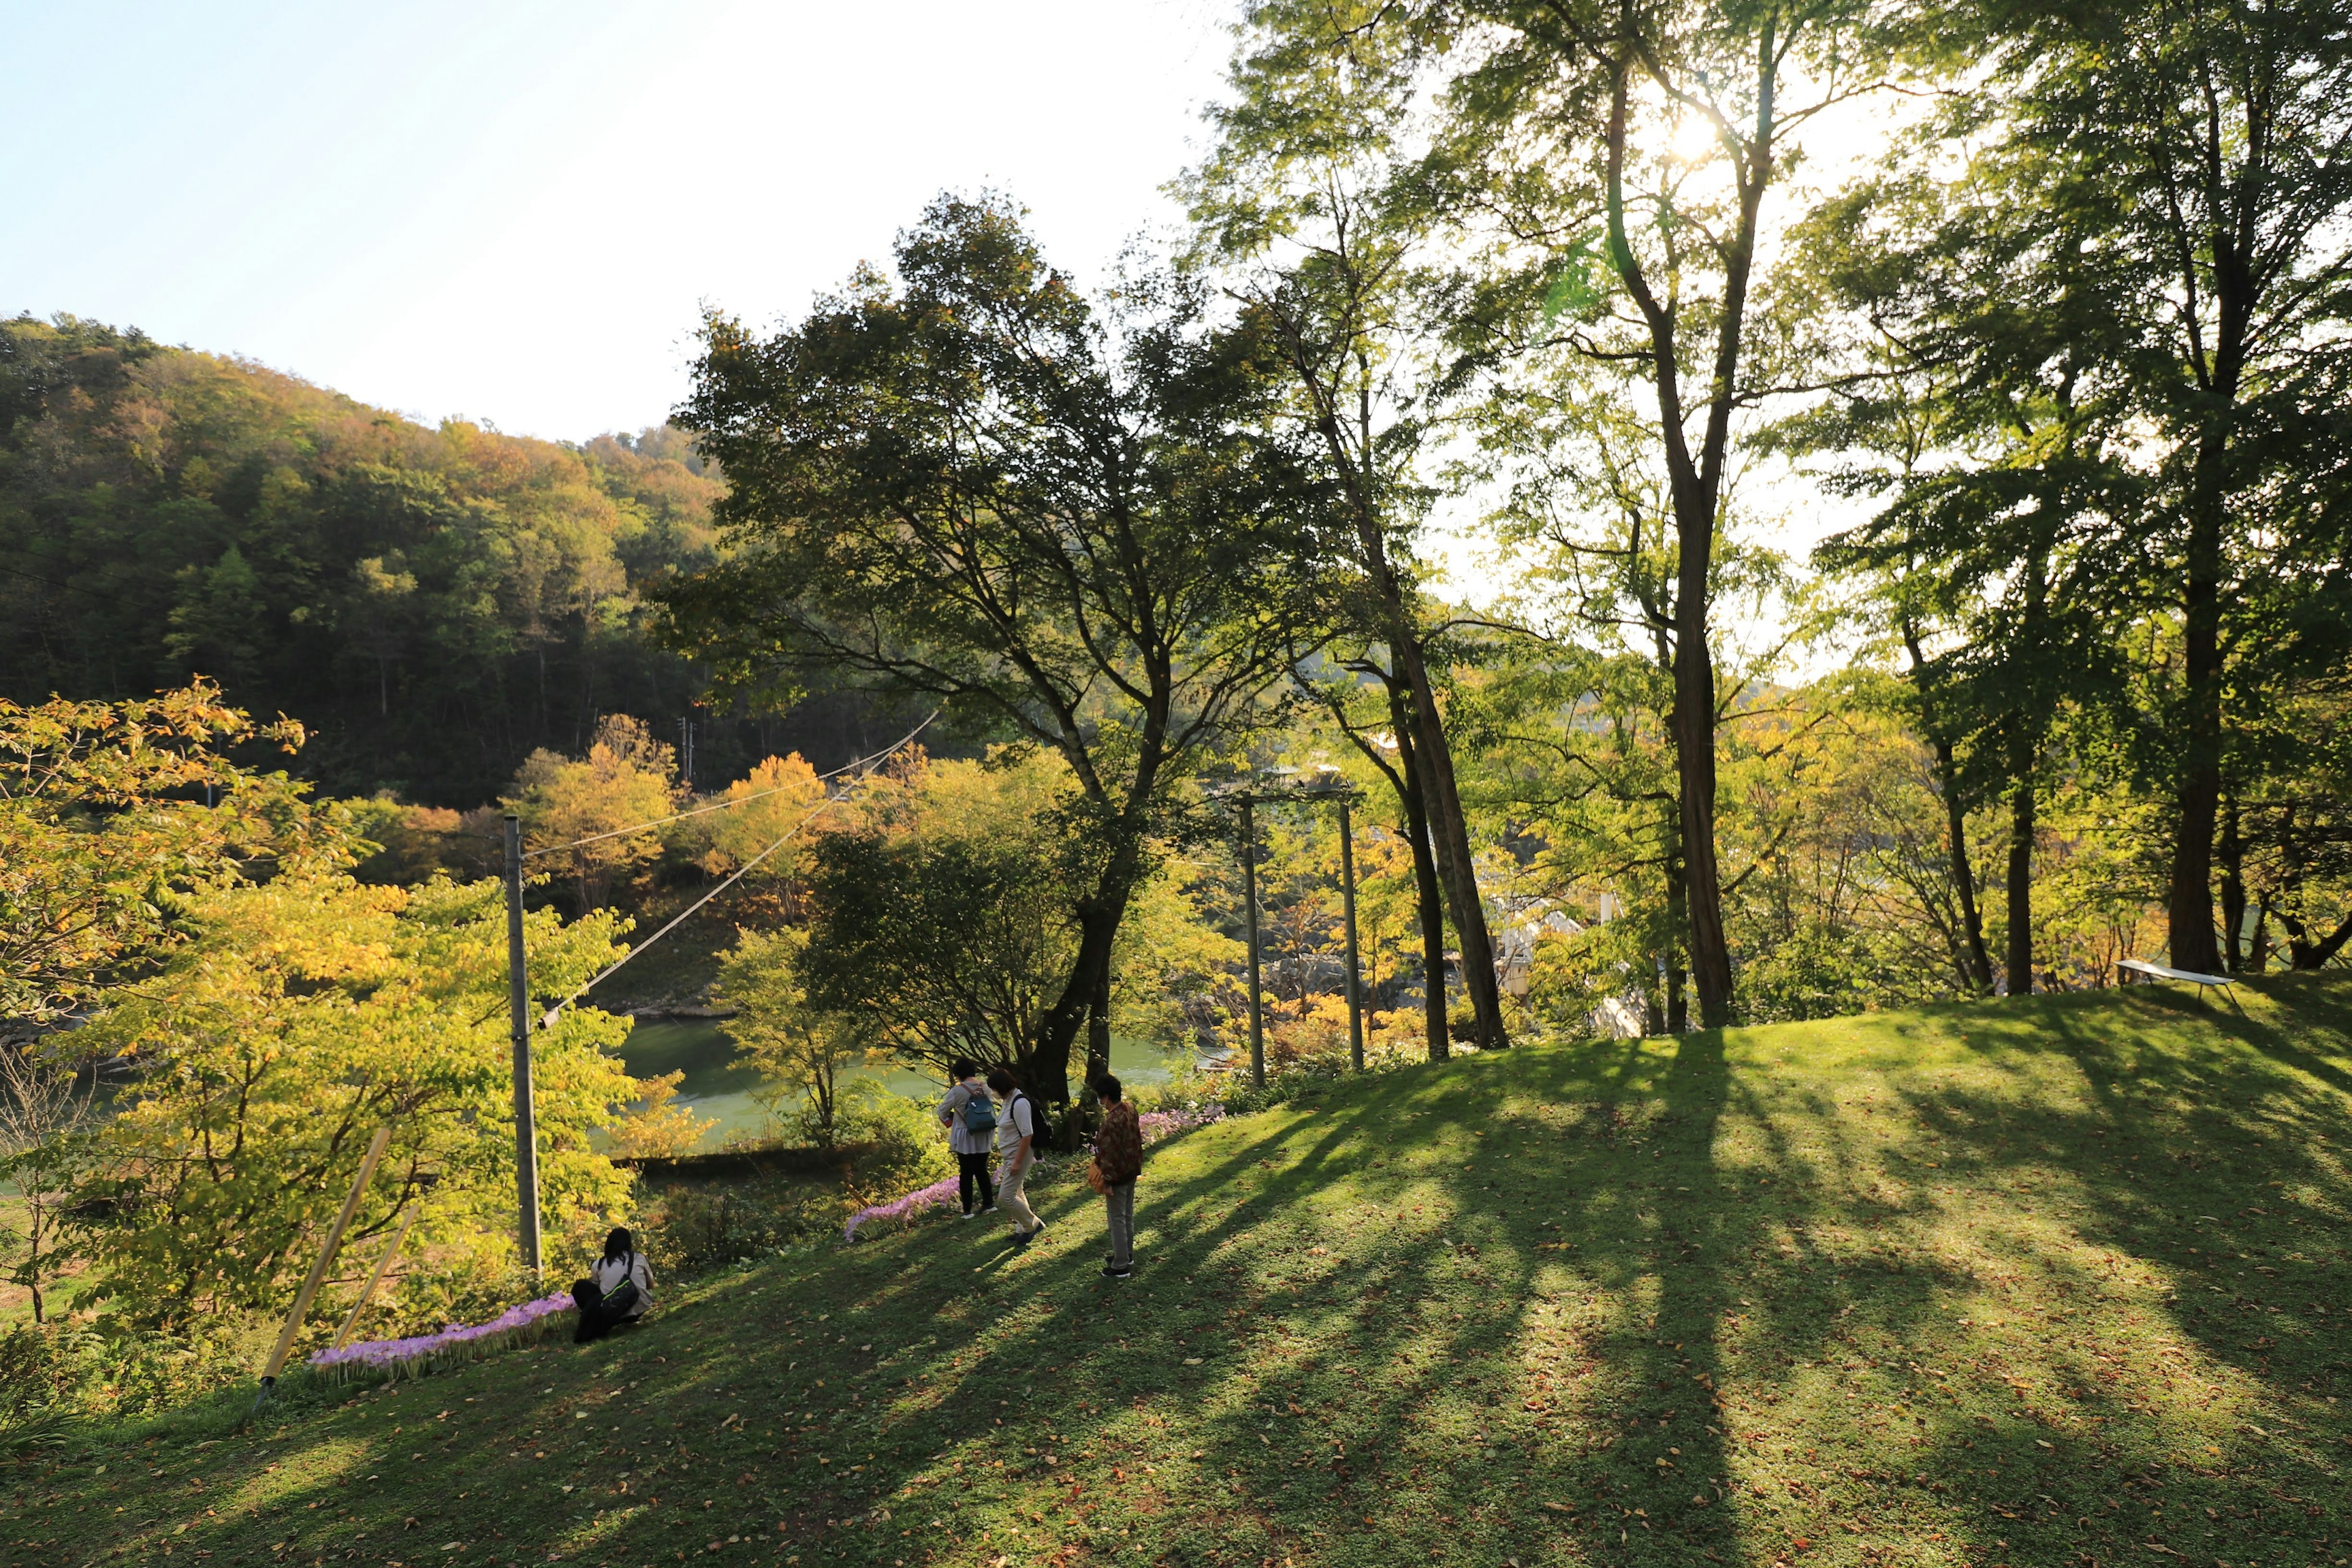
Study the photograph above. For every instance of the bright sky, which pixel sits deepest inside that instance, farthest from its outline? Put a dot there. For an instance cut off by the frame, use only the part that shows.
(512, 210)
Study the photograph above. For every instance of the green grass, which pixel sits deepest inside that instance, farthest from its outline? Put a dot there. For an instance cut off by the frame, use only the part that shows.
(2031, 1282)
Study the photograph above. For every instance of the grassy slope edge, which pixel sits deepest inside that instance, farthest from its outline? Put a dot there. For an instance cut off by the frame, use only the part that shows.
(2007, 1283)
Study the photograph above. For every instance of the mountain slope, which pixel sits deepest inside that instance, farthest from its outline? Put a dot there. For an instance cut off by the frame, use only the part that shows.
(2003, 1283)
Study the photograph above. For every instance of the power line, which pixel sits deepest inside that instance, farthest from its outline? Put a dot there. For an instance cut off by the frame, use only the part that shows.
(724, 804)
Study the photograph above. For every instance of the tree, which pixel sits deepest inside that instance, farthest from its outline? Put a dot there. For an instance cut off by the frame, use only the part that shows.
(627, 779)
(800, 1050)
(1608, 166)
(307, 1013)
(1302, 205)
(102, 838)
(968, 489)
(941, 947)
(45, 1119)
(1373, 718)
(2194, 153)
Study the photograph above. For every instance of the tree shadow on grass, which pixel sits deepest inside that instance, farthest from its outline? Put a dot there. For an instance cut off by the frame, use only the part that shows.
(1868, 1309)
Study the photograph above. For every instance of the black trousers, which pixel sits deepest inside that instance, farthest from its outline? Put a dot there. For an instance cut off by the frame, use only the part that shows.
(972, 1168)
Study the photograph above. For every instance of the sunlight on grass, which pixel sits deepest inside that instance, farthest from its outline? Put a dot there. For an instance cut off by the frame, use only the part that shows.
(2002, 1284)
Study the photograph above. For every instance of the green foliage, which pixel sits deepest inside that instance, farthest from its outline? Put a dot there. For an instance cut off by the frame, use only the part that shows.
(304, 1014)
(967, 487)
(101, 841)
(951, 936)
(625, 779)
(799, 1047)
(902, 1147)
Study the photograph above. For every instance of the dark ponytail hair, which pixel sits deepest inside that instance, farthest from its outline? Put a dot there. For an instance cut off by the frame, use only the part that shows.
(619, 1245)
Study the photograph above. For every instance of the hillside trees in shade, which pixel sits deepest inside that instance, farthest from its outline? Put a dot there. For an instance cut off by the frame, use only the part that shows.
(433, 603)
(969, 487)
(2109, 275)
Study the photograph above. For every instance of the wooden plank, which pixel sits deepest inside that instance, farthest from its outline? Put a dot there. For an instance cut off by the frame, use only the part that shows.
(2141, 966)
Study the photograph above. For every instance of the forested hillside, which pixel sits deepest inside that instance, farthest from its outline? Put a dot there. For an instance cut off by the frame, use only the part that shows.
(433, 603)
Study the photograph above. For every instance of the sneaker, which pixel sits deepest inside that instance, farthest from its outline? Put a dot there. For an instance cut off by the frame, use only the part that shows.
(1112, 1271)
(967, 1214)
(988, 1208)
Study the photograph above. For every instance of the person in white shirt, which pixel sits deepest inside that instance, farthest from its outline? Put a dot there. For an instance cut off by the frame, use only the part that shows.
(618, 1288)
(1014, 1132)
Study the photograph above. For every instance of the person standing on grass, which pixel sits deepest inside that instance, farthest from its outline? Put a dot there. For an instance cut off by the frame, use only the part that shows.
(1119, 1160)
(970, 1117)
(1015, 1133)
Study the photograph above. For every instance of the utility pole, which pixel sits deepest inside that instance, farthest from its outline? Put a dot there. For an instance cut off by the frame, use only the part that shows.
(1249, 895)
(519, 1010)
(1347, 903)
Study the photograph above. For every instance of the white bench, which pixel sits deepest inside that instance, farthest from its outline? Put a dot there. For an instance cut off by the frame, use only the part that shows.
(2188, 976)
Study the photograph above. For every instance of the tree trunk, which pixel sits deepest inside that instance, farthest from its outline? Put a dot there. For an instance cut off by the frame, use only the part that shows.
(1694, 727)
(1676, 979)
(1428, 902)
(1449, 838)
(1976, 963)
(2309, 955)
(2189, 906)
(2233, 888)
(2018, 962)
(1978, 972)
(1045, 1071)
(1098, 1029)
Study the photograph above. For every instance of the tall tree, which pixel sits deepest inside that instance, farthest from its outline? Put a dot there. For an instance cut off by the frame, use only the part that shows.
(1301, 208)
(1612, 161)
(1368, 702)
(967, 487)
(2201, 146)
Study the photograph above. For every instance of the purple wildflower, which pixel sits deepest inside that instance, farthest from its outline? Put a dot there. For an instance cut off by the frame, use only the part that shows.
(414, 1353)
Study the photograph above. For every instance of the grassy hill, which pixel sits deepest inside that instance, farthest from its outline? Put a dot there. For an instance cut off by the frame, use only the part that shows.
(2032, 1282)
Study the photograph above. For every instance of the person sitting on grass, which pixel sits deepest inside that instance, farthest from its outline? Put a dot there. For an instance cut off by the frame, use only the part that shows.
(617, 1290)
(1118, 1161)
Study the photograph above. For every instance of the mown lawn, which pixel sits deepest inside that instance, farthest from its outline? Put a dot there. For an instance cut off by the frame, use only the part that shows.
(2052, 1281)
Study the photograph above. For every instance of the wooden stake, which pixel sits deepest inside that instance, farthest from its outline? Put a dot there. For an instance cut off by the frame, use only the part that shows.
(376, 1279)
(326, 1256)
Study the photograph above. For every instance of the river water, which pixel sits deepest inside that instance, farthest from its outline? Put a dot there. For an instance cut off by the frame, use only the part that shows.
(718, 1083)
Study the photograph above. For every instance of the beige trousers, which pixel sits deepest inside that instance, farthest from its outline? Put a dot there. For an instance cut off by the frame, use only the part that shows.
(1011, 1201)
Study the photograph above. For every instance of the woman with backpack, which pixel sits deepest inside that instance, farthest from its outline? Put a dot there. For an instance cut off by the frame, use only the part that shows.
(970, 1117)
(1016, 1136)
(617, 1289)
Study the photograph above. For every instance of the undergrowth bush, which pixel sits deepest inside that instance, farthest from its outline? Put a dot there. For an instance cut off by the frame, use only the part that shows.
(903, 1146)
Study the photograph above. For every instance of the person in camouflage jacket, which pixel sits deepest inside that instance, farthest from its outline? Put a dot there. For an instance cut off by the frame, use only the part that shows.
(1119, 1155)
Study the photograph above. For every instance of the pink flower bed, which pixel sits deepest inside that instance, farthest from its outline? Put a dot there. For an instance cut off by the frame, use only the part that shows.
(423, 1353)
(938, 1194)
(943, 1193)
(1159, 1125)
